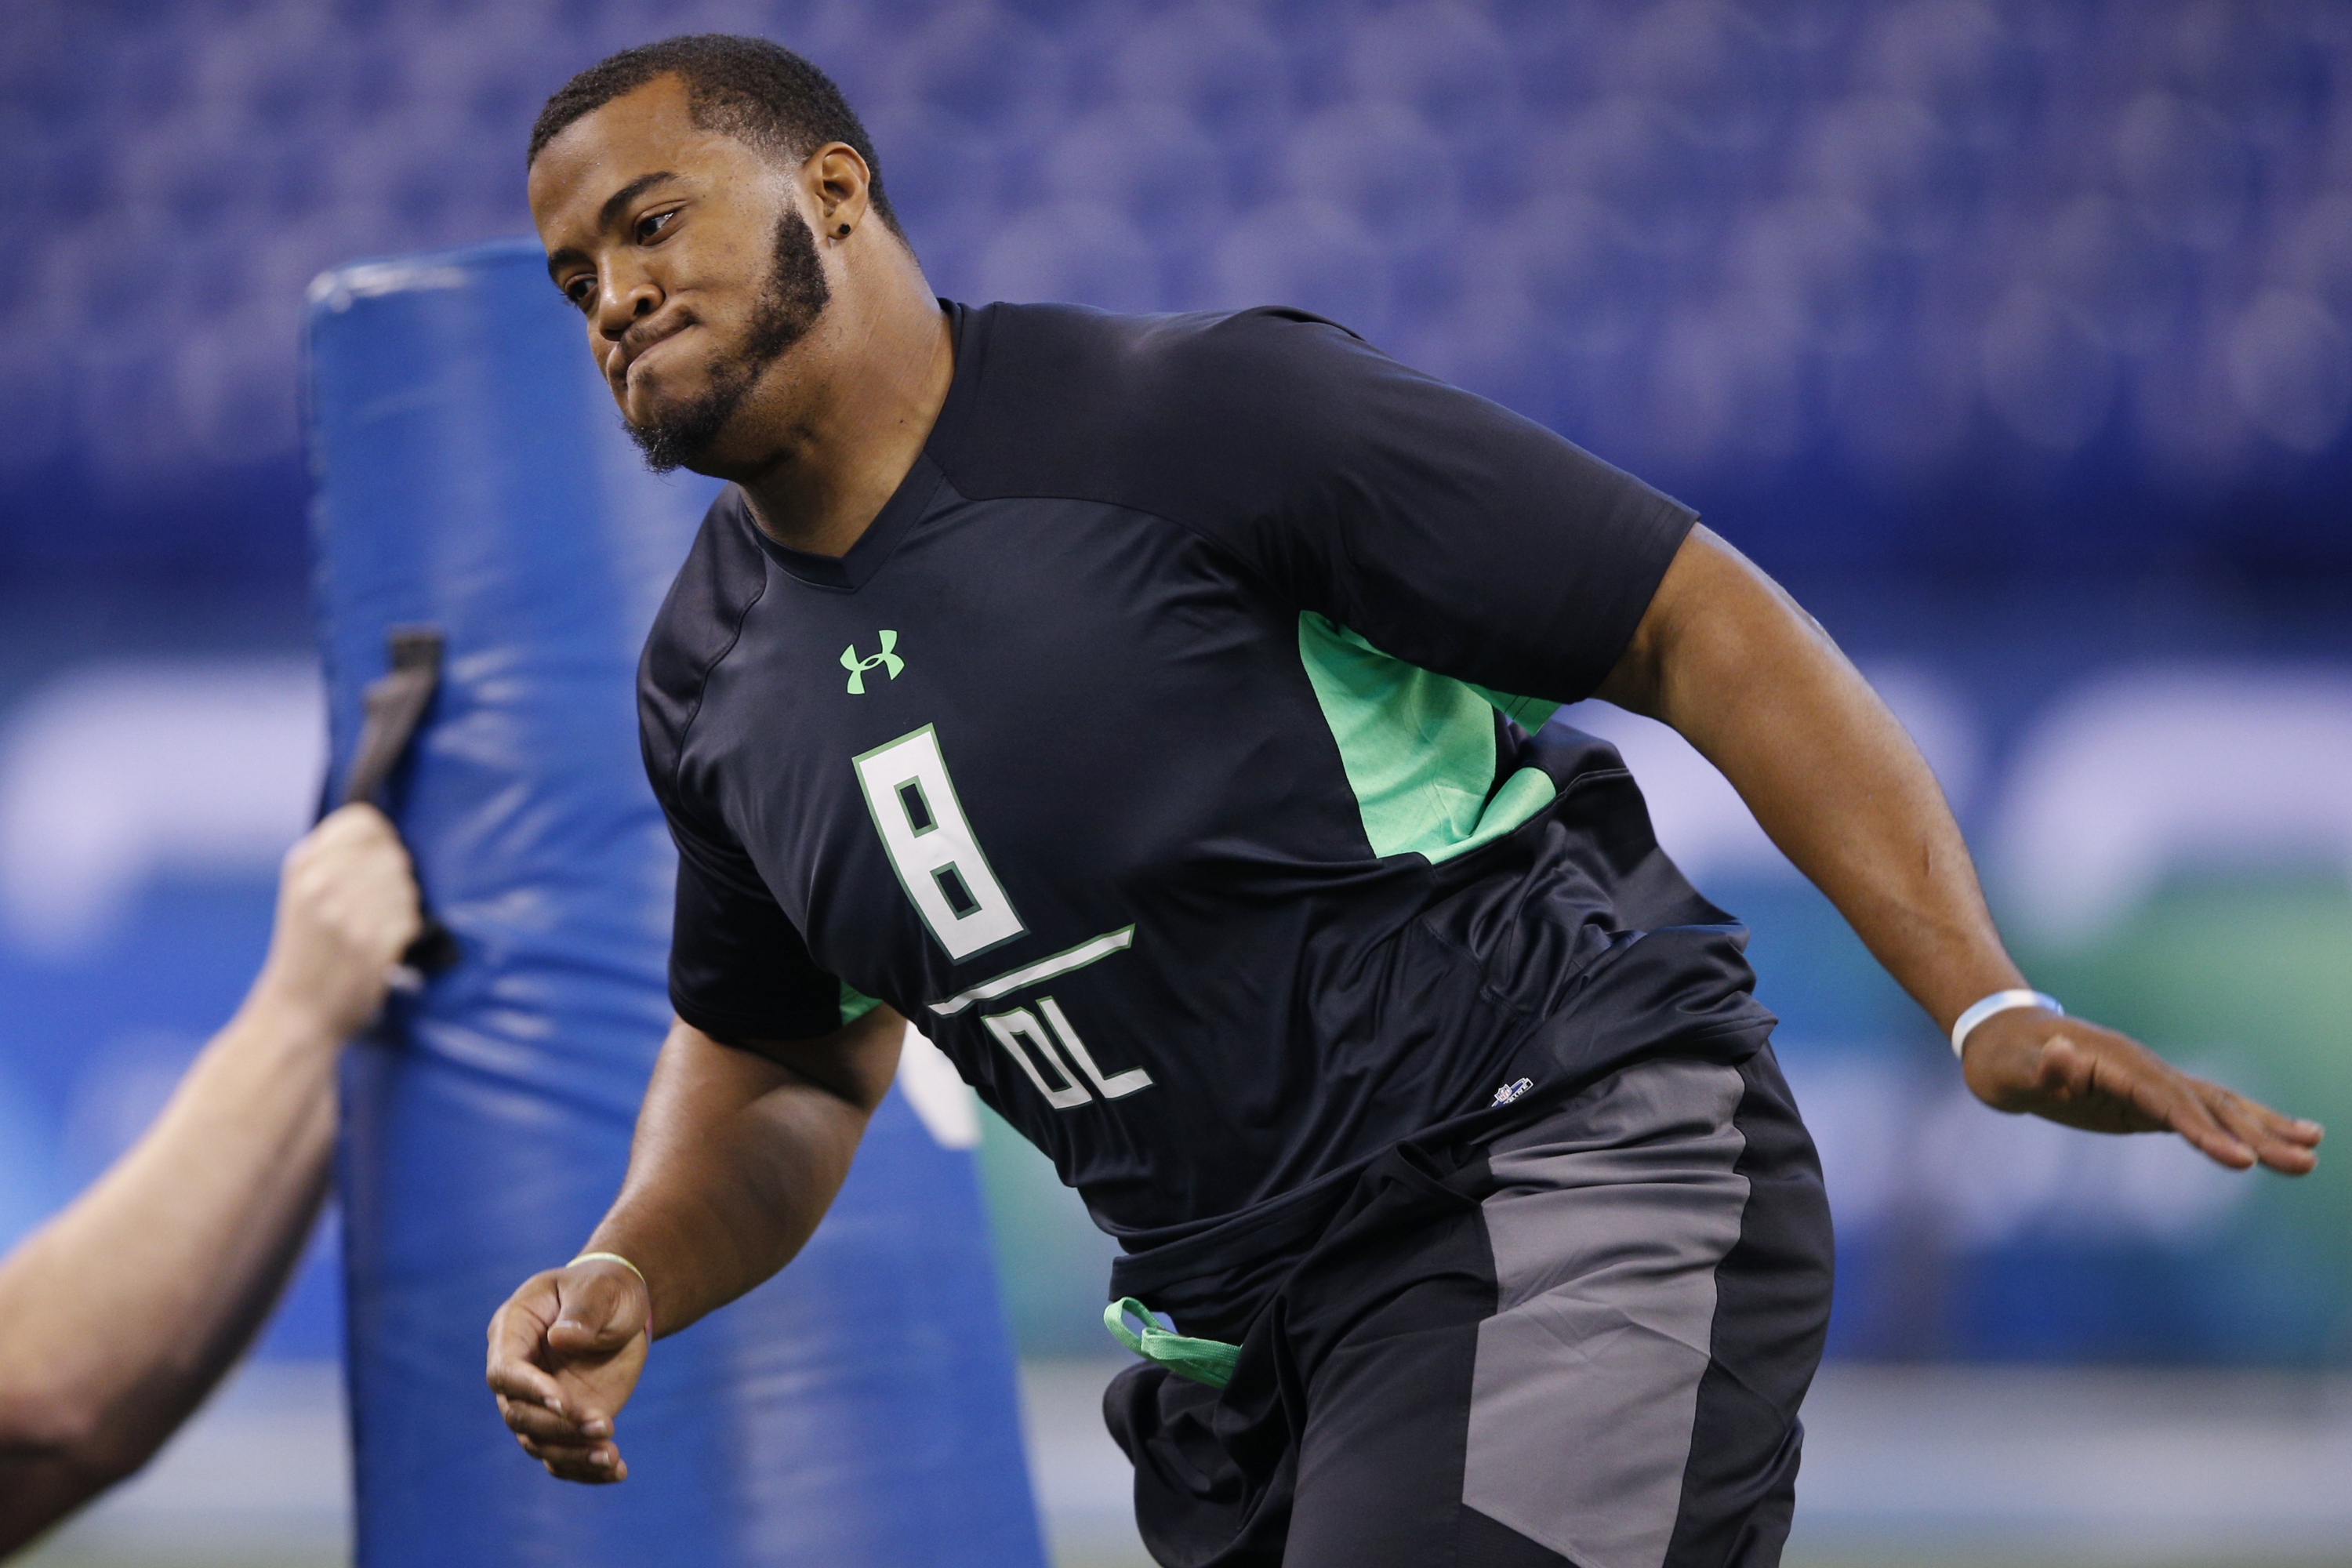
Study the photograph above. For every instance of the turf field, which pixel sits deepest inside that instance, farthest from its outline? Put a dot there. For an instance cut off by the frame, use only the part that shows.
(1906, 1468)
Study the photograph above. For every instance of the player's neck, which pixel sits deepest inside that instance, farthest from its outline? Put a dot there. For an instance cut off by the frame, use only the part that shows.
(882, 358)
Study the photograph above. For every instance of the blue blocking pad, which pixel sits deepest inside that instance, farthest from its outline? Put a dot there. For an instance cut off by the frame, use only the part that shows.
(860, 1409)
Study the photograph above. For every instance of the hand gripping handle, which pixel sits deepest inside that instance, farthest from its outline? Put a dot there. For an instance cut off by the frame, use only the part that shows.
(395, 705)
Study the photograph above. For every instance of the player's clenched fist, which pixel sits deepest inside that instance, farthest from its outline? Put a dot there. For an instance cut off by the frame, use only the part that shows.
(566, 1353)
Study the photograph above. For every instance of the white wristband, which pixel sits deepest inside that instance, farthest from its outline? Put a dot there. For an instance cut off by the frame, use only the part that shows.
(615, 1257)
(1999, 1002)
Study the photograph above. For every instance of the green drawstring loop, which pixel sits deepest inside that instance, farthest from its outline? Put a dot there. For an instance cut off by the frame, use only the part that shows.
(1203, 1360)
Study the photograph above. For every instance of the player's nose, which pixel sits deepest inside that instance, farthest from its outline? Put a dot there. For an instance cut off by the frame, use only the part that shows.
(623, 302)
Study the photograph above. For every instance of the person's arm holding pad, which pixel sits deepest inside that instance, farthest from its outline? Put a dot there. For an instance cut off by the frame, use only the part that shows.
(123, 1311)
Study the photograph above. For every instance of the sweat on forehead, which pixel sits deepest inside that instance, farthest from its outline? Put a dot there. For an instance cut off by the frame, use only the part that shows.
(758, 92)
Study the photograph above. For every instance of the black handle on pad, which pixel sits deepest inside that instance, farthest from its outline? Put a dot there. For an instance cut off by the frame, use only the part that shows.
(395, 705)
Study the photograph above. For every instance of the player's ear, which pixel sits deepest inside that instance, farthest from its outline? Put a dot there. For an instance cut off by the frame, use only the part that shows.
(840, 186)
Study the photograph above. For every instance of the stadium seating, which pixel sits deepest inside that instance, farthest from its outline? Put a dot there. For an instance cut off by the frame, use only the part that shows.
(1839, 268)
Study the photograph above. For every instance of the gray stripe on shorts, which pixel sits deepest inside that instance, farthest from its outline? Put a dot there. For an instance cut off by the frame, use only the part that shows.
(1608, 1221)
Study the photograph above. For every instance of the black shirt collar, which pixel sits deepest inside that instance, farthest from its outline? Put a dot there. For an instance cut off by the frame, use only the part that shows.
(907, 503)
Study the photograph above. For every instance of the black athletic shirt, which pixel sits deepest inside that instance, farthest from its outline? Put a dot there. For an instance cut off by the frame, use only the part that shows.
(1151, 751)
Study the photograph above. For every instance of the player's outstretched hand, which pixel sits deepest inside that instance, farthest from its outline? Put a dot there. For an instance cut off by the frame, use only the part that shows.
(2079, 1074)
(566, 1353)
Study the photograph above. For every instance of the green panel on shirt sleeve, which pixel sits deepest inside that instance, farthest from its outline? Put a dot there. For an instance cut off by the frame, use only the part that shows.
(1530, 713)
(1418, 748)
(855, 1004)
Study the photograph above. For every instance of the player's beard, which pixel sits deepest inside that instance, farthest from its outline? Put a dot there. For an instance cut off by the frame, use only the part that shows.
(791, 300)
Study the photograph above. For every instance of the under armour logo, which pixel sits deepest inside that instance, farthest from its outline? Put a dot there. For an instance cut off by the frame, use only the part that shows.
(890, 662)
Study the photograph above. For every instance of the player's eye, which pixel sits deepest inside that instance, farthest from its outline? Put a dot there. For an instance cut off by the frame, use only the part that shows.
(651, 226)
(580, 290)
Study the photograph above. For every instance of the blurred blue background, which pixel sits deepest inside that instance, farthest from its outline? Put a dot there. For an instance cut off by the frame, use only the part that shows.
(2015, 339)
(1927, 286)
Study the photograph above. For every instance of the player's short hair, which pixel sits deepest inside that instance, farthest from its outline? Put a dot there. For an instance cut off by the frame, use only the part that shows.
(756, 92)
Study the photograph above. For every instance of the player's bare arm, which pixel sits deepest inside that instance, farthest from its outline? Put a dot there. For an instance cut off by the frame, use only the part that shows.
(1730, 662)
(738, 1153)
(124, 1310)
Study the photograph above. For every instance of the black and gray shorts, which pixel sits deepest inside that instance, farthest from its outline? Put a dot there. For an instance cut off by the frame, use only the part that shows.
(1584, 1343)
